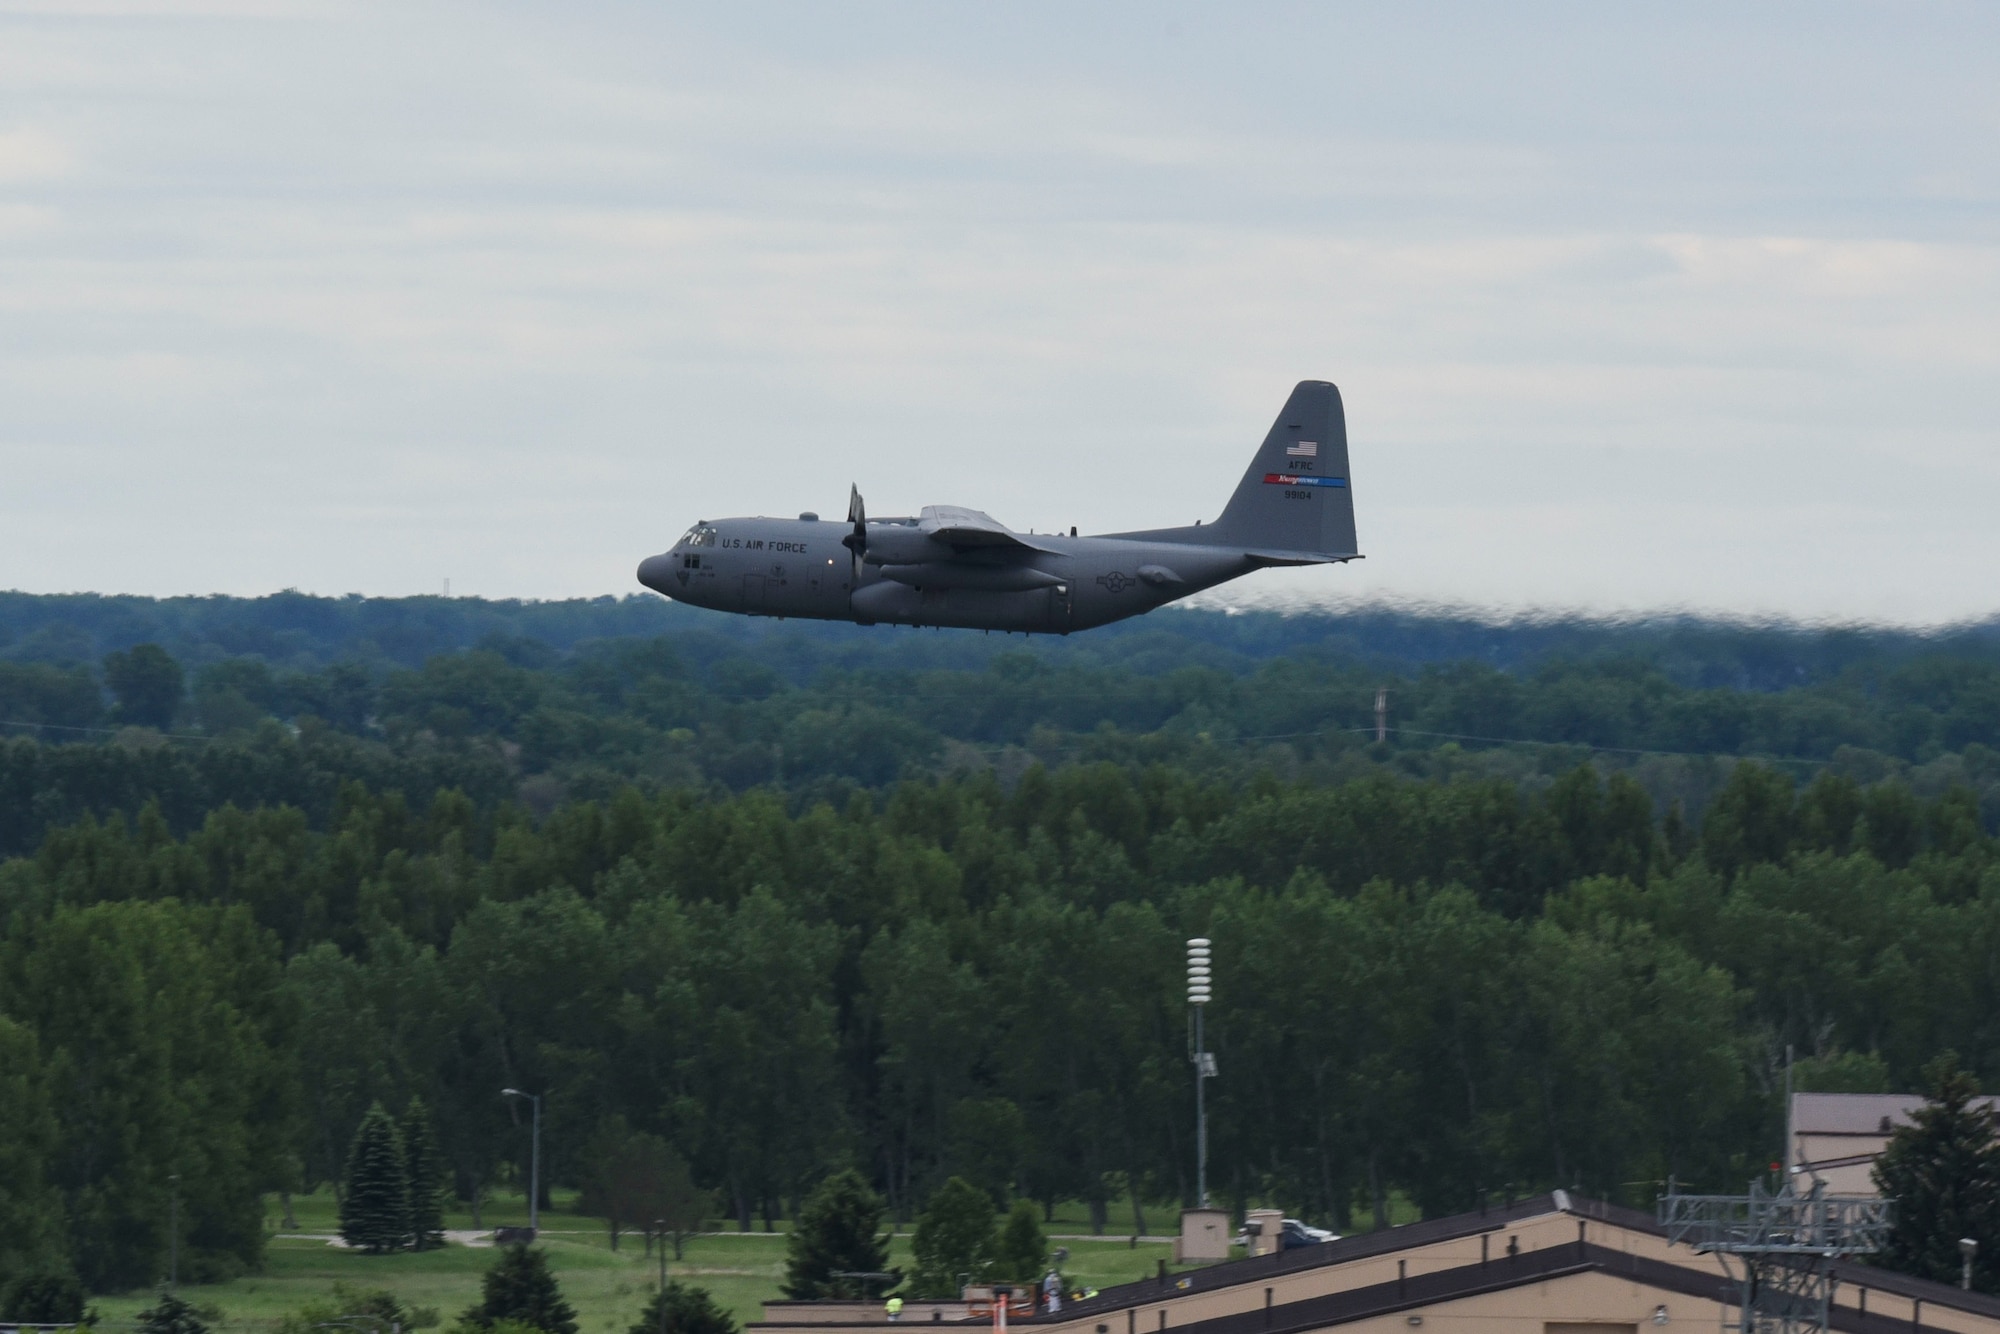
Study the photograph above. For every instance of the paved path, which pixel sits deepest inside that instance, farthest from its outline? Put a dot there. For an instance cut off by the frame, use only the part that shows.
(463, 1236)
(484, 1237)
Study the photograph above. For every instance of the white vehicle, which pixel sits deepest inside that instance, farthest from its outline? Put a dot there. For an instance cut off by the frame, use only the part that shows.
(1292, 1234)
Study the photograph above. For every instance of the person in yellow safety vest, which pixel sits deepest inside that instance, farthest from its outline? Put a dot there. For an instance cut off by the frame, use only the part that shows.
(894, 1308)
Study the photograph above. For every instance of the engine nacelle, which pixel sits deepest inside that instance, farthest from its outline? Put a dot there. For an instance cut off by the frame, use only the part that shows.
(894, 544)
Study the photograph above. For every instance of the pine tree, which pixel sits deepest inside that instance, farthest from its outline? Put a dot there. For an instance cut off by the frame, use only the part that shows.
(170, 1315)
(837, 1231)
(424, 1170)
(680, 1308)
(1943, 1171)
(375, 1206)
(521, 1289)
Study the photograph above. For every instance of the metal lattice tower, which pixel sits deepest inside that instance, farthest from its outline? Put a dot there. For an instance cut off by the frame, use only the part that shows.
(1788, 1244)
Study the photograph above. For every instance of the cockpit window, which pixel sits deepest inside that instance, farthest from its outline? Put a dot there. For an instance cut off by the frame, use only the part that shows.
(701, 535)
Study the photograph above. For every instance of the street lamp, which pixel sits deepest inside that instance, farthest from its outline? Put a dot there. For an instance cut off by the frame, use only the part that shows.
(534, 1160)
(1204, 1064)
(174, 1236)
(660, 1236)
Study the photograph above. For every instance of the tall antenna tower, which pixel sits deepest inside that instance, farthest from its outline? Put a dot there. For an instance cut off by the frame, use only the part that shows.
(1788, 1244)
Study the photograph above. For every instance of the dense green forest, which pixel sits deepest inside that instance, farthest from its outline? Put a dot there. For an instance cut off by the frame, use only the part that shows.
(797, 897)
(820, 711)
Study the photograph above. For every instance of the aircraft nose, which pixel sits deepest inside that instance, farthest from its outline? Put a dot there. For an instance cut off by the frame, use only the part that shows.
(655, 572)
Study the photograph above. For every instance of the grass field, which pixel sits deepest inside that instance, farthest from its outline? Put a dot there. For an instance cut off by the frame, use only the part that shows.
(607, 1288)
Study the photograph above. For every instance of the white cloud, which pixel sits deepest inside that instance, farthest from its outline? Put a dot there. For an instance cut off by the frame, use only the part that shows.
(31, 155)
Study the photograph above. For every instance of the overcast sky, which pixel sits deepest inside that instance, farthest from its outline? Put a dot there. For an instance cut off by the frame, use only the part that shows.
(1632, 307)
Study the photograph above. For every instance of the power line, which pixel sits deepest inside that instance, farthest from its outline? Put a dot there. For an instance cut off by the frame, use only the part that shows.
(100, 731)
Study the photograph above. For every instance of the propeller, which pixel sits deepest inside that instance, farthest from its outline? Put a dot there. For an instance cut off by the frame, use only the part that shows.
(857, 541)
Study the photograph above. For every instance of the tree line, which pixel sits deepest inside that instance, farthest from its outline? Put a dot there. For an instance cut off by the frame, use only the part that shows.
(1451, 991)
(293, 630)
(519, 722)
(1911, 706)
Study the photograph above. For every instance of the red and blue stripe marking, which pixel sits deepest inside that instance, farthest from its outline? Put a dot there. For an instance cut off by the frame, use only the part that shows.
(1290, 479)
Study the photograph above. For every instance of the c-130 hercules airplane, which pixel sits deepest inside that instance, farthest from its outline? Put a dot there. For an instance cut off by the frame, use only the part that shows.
(957, 567)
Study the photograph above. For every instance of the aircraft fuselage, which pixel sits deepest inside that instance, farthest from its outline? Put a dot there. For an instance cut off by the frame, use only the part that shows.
(954, 566)
(799, 567)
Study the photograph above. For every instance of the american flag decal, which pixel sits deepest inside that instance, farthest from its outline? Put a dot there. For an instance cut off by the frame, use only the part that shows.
(1304, 449)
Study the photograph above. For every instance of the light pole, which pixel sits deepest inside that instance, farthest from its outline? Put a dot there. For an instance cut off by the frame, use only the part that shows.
(174, 1235)
(1204, 1064)
(534, 1160)
(660, 1234)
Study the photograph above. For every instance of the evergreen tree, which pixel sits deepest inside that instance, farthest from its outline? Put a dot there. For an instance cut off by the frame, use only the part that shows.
(954, 1240)
(375, 1205)
(837, 1231)
(1023, 1248)
(520, 1288)
(681, 1308)
(424, 1169)
(170, 1315)
(1943, 1172)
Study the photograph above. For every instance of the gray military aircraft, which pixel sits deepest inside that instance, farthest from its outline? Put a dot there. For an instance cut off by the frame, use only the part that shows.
(957, 567)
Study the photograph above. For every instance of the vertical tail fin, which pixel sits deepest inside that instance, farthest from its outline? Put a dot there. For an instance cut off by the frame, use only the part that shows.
(1297, 496)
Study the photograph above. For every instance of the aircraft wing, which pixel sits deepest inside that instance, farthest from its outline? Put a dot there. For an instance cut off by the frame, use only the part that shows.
(964, 528)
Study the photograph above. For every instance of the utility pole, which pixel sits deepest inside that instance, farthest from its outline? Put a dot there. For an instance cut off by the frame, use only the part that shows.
(1381, 714)
(1204, 1064)
(1791, 1154)
(534, 1160)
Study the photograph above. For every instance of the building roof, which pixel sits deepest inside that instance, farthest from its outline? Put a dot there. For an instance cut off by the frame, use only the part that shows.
(1860, 1113)
(1501, 1272)
(1386, 1241)
(1559, 1262)
(1852, 1113)
(1588, 1251)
